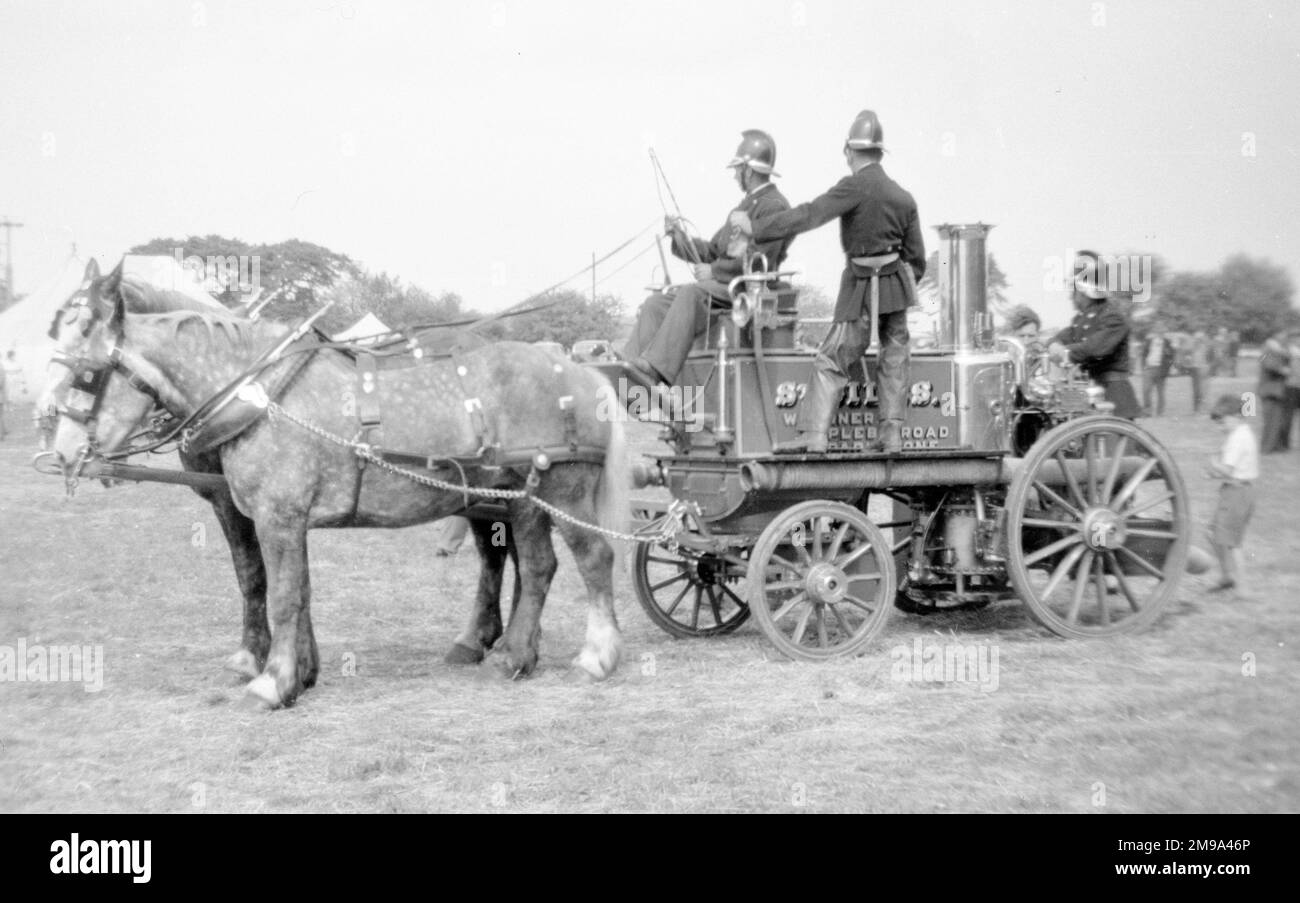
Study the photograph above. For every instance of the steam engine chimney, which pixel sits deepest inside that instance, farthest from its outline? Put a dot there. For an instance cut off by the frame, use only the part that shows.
(965, 323)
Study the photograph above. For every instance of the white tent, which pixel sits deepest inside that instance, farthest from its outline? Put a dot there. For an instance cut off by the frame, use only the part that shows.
(24, 327)
(363, 330)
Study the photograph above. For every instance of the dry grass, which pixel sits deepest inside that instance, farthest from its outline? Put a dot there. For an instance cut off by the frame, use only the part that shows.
(1165, 720)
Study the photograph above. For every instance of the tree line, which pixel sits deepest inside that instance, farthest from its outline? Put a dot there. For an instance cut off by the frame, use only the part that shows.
(296, 278)
(1250, 295)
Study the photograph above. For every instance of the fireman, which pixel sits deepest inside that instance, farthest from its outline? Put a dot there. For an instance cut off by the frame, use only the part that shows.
(881, 237)
(1097, 337)
(666, 326)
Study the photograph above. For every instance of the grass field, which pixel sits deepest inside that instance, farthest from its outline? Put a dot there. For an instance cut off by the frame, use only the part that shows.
(1197, 714)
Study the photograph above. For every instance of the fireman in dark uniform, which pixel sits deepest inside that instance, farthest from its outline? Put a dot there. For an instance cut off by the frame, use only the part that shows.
(1097, 337)
(666, 326)
(881, 237)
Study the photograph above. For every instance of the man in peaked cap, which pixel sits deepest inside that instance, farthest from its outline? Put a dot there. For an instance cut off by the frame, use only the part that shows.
(1097, 337)
(881, 236)
(667, 325)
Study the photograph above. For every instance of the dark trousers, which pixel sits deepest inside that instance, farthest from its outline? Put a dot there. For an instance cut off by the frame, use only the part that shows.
(1153, 379)
(1198, 388)
(666, 328)
(1279, 412)
(842, 348)
(1290, 412)
(1119, 392)
(1272, 439)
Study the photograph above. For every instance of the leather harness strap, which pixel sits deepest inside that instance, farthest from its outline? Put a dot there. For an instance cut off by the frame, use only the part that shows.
(367, 386)
(874, 266)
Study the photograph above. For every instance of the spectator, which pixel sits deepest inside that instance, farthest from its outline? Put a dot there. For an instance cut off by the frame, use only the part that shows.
(1198, 365)
(451, 533)
(1219, 352)
(1291, 404)
(1274, 370)
(12, 387)
(1238, 468)
(1024, 324)
(1157, 358)
(1234, 348)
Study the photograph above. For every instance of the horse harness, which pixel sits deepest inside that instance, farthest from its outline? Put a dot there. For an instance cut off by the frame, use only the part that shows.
(239, 405)
(490, 455)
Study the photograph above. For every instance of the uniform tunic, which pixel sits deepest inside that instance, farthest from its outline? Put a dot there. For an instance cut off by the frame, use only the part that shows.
(877, 216)
(1097, 340)
(667, 326)
(765, 200)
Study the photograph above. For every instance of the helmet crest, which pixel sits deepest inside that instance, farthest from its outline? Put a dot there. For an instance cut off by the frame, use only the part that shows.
(866, 133)
(756, 150)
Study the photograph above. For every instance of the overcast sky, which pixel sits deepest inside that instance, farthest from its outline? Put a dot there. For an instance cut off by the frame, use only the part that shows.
(489, 148)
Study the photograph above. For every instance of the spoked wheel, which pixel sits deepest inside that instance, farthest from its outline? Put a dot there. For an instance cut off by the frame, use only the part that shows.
(822, 580)
(689, 594)
(1097, 528)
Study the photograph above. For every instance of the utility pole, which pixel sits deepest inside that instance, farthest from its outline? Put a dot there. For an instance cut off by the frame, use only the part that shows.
(593, 277)
(9, 226)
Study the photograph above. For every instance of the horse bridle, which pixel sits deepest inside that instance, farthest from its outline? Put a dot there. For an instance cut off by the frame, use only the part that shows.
(90, 381)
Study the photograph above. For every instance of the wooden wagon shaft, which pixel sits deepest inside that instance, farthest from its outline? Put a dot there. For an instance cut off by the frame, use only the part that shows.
(107, 470)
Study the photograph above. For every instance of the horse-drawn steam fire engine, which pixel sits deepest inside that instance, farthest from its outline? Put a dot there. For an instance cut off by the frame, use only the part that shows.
(1014, 481)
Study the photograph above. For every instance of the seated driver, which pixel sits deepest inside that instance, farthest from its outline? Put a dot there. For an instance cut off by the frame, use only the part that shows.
(666, 327)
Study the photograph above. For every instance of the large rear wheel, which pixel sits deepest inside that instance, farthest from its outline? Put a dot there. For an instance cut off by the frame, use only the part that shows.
(1097, 528)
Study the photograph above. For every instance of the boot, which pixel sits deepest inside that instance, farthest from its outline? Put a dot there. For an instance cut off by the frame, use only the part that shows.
(641, 373)
(815, 415)
(889, 438)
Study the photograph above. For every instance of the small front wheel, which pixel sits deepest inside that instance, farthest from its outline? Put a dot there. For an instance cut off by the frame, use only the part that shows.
(822, 580)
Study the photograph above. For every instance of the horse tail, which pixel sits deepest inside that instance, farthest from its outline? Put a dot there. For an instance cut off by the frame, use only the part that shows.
(613, 492)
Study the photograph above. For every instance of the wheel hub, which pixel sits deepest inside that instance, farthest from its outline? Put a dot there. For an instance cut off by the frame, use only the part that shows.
(1103, 529)
(826, 583)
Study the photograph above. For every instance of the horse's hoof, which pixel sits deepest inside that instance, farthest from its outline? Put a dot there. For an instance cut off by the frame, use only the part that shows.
(243, 663)
(261, 692)
(460, 654)
(594, 665)
(510, 668)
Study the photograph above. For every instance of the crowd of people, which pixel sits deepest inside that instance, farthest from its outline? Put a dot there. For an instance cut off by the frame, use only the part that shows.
(1279, 390)
(1198, 355)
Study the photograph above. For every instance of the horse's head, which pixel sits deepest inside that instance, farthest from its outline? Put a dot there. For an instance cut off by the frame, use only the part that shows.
(75, 316)
(100, 401)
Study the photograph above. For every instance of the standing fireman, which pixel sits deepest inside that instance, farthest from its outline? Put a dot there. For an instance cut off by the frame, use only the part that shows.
(881, 237)
(1097, 337)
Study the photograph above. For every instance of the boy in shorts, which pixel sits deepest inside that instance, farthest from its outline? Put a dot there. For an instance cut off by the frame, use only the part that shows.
(1238, 467)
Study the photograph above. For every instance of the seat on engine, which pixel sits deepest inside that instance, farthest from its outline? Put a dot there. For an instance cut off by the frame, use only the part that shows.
(777, 309)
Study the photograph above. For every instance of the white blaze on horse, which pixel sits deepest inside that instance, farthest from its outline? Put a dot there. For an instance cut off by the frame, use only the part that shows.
(482, 418)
